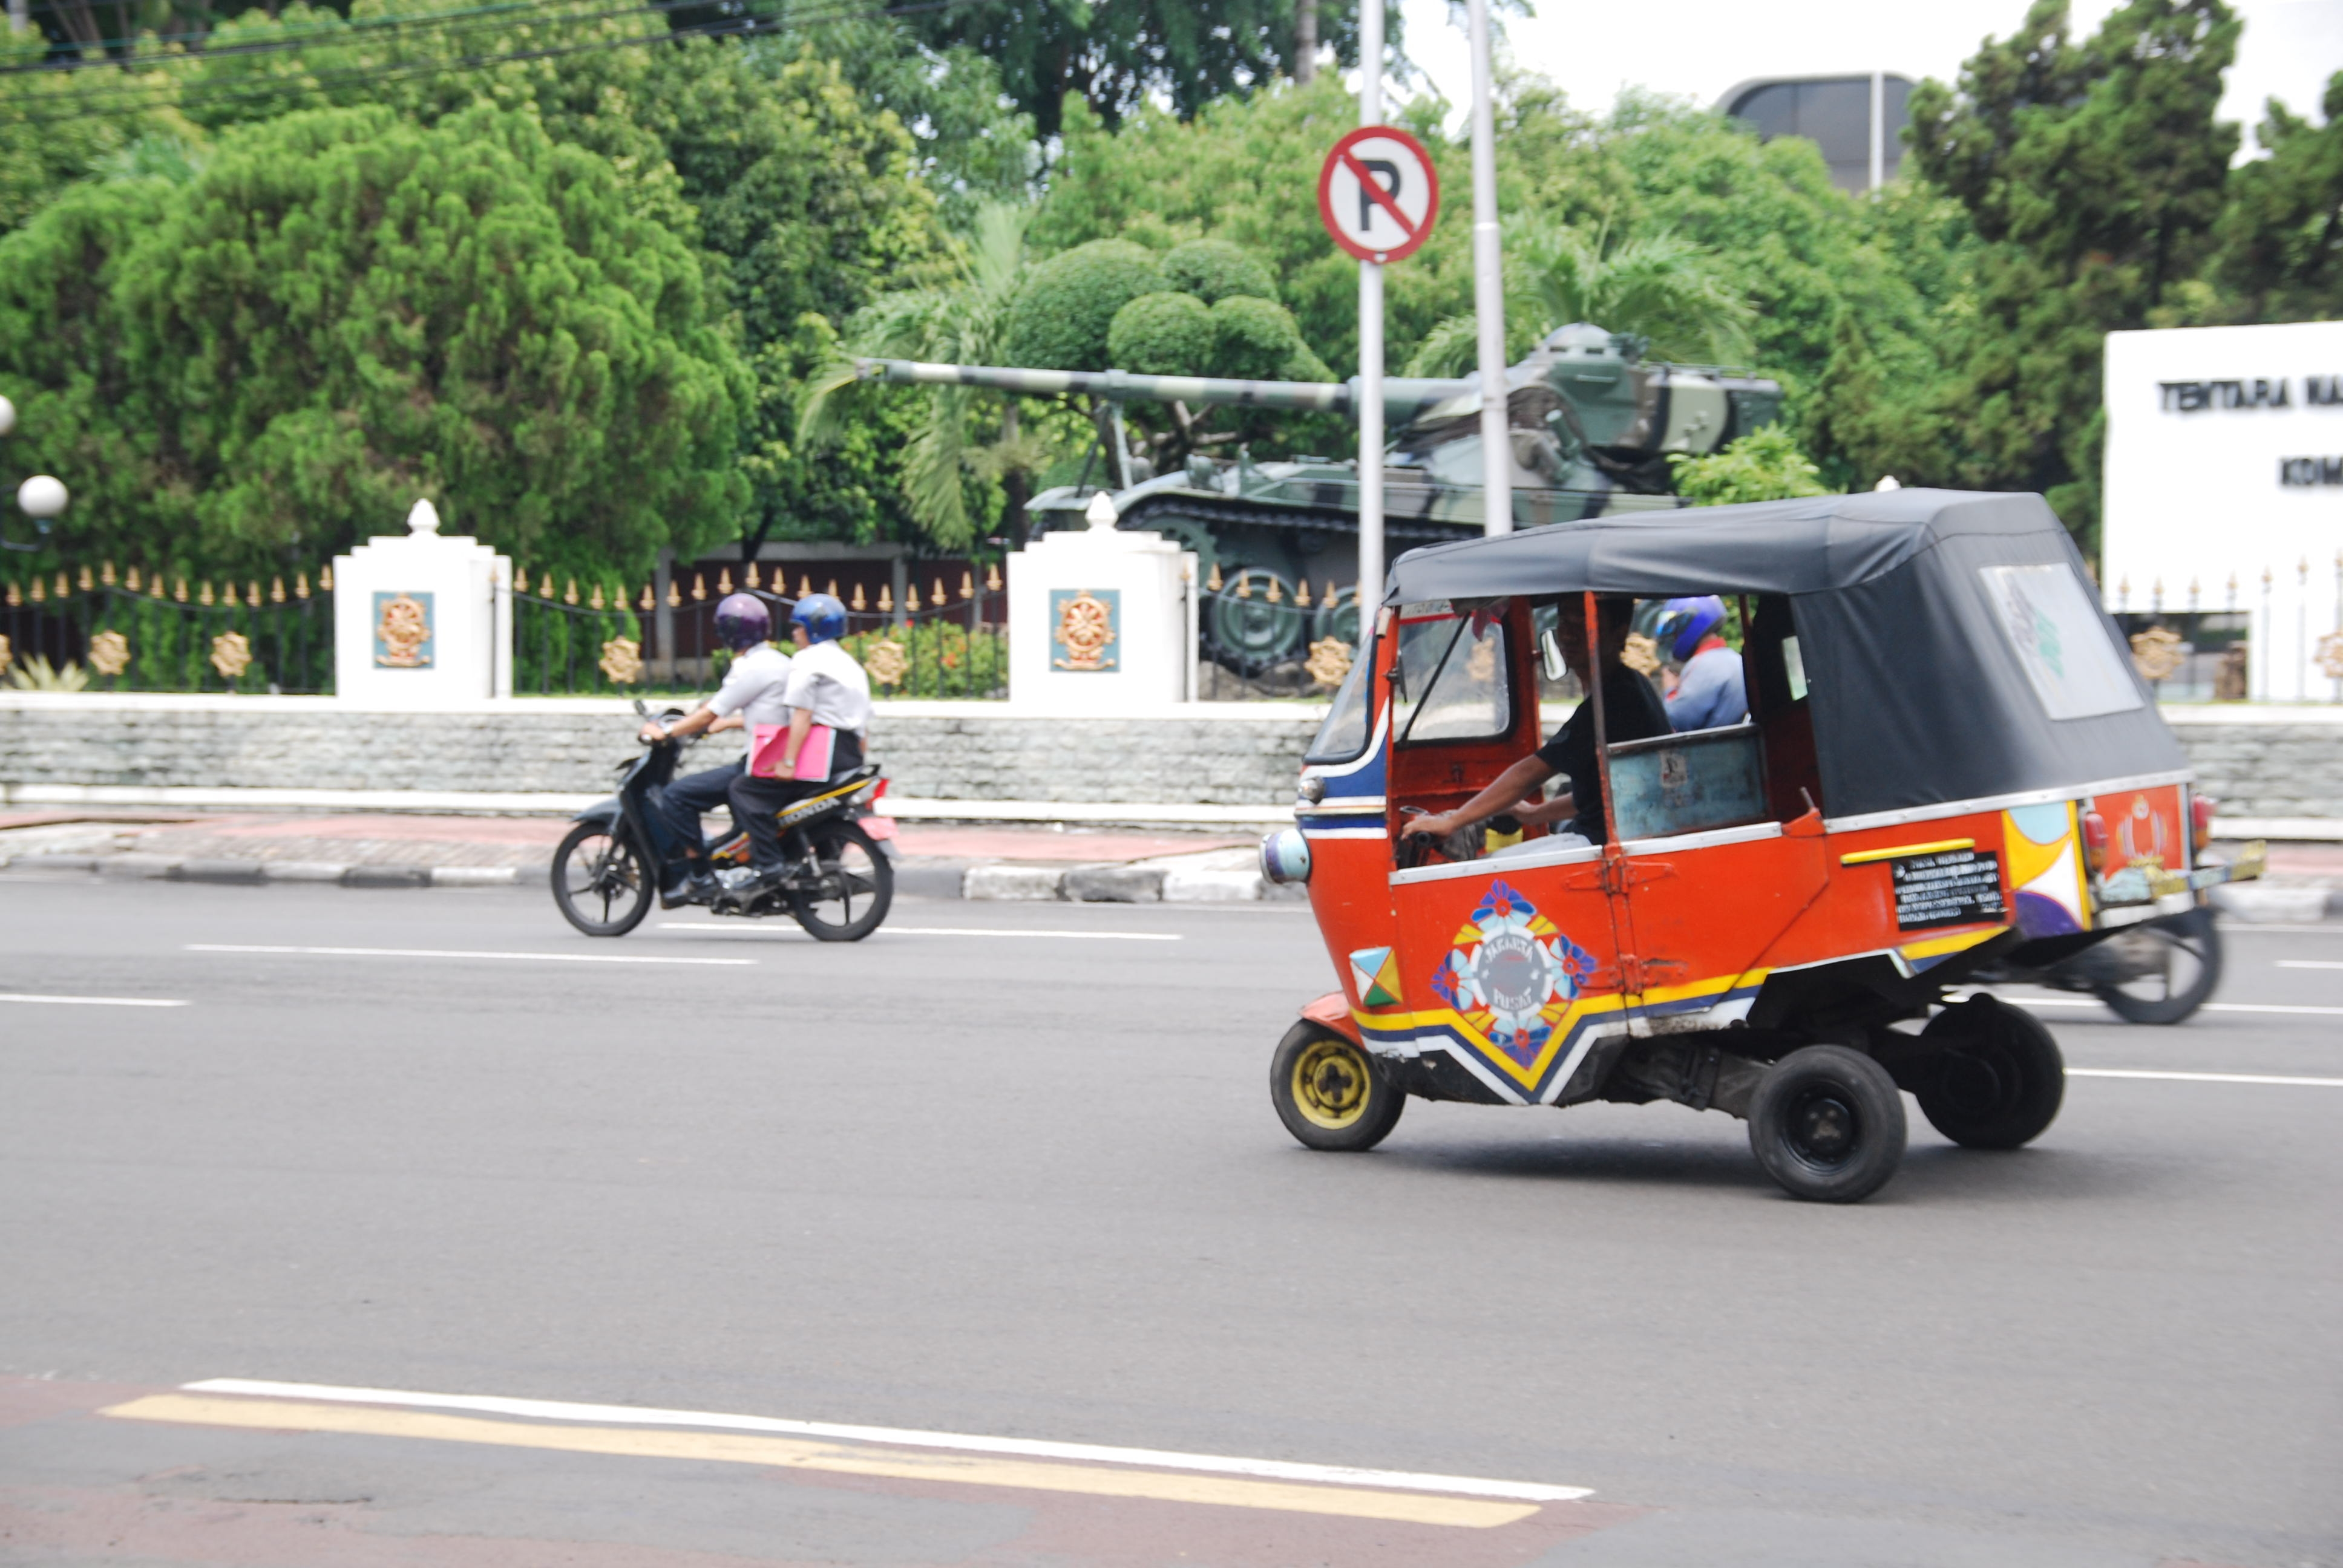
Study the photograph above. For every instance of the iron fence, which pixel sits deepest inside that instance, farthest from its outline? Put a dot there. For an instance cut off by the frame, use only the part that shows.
(1262, 636)
(152, 632)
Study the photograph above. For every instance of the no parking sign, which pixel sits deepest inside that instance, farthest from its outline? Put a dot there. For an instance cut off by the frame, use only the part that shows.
(1377, 194)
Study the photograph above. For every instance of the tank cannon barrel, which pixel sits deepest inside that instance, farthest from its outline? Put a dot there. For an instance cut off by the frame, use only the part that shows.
(1403, 397)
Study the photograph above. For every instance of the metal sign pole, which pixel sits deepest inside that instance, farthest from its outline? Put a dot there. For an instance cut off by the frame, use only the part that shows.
(1371, 352)
(1489, 289)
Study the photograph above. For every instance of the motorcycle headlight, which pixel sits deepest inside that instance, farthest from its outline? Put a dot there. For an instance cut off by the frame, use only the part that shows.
(1286, 856)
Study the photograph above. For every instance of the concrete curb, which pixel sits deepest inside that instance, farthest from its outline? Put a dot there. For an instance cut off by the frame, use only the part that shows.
(261, 873)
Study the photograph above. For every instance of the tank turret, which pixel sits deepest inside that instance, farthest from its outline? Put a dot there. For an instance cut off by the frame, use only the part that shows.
(1593, 424)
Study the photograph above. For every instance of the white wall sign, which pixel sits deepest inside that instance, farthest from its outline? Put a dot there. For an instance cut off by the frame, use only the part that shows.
(2224, 460)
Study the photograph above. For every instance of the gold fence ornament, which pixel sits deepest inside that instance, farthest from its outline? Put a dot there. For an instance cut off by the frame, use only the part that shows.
(698, 587)
(227, 594)
(300, 585)
(1641, 655)
(674, 593)
(1330, 662)
(1244, 585)
(40, 591)
(1276, 591)
(596, 602)
(130, 579)
(325, 580)
(2156, 653)
(14, 598)
(750, 578)
(886, 662)
(992, 578)
(832, 589)
(967, 585)
(64, 589)
(2330, 655)
(1213, 582)
(937, 599)
(1301, 594)
(622, 661)
(569, 592)
(724, 582)
(858, 594)
(805, 585)
(204, 597)
(109, 653)
(275, 590)
(7, 649)
(105, 574)
(650, 602)
(180, 590)
(231, 654)
(886, 599)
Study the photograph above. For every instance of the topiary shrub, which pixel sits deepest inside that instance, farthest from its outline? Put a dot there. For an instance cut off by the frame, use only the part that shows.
(1066, 309)
(1255, 339)
(1162, 335)
(1214, 270)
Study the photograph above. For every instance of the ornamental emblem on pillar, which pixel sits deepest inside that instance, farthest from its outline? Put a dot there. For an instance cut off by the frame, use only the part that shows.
(1085, 626)
(402, 630)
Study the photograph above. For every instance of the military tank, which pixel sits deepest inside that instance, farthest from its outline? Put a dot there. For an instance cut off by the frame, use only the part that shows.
(1593, 423)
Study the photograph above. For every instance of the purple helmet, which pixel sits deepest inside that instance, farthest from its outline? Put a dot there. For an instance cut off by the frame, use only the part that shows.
(1685, 621)
(742, 622)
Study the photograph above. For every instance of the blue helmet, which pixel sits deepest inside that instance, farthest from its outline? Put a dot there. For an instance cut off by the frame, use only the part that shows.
(742, 622)
(823, 617)
(1685, 621)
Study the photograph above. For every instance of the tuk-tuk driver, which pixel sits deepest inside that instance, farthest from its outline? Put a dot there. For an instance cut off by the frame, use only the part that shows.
(1632, 711)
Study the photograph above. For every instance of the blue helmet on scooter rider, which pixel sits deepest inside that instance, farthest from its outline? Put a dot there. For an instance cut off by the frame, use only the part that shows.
(1685, 621)
(823, 617)
(742, 622)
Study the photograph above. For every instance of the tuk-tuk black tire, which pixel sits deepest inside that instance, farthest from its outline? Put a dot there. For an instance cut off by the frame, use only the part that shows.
(647, 895)
(1375, 1119)
(2197, 925)
(2024, 1076)
(1811, 1094)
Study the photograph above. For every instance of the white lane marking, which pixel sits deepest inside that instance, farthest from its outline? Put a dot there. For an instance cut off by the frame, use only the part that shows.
(449, 953)
(1216, 1464)
(2332, 929)
(2310, 963)
(89, 1000)
(930, 931)
(2208, 1007)
(2204, 1076)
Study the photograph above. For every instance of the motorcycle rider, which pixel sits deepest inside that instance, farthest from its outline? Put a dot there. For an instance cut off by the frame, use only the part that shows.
(1710, 692)
(754, 692)
(826, 687)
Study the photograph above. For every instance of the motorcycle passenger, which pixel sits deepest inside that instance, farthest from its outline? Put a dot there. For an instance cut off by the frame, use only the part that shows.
(753, 693)
(1709, 691)
(827, 688)
(1632, 711)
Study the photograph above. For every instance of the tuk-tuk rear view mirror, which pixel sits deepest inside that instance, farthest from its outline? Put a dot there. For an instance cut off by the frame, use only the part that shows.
(1793, 664)
(1550, 654)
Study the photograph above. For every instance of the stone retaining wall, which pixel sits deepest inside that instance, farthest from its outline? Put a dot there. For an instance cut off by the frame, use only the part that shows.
(2257, 764)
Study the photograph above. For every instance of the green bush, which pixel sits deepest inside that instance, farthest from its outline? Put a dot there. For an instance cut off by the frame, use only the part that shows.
(1255, 339)
(939, 659)
(1162, 335)
(1063, 314)
(1213, 269)
(1766, 465)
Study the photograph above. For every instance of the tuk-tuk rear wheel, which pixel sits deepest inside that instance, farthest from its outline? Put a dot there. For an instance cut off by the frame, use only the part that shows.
(1828, 1123)
(1330, 1093)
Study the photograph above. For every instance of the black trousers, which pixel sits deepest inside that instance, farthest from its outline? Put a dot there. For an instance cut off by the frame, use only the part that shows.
(690, 797)
(757, 801)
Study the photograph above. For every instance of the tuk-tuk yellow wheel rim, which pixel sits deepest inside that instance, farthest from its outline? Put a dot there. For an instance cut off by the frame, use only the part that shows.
(1332, 1084)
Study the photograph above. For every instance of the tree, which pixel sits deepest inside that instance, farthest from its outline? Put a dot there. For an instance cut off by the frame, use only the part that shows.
(343, 312)
(1670, 292)
(1115, 55)
(1766, 465)
(2281, 239)
(2094, 174)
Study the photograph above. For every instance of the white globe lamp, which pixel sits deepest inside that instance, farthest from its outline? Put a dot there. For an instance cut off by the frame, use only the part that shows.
(7, 416)
(42, 496)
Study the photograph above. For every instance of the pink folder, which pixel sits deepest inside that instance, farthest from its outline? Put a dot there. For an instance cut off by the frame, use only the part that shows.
(765, 752)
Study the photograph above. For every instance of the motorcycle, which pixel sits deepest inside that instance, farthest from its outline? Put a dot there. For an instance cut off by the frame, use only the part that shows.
(608, 870)
(2157, 971)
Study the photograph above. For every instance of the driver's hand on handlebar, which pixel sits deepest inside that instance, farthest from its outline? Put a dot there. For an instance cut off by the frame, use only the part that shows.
(1434, 827)
(650, 733)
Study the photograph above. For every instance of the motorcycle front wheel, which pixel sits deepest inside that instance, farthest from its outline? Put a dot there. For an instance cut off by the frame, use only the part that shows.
(602, 883)
(2170, 967)
(855, 885)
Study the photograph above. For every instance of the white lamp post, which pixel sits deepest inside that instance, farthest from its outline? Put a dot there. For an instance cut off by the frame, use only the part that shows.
(41, 498)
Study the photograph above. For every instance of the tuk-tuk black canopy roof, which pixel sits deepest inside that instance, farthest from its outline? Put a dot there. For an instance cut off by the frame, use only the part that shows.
(1920, 695)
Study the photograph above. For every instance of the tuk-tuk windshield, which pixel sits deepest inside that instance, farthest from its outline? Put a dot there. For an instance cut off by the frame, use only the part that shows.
(1449, 681)
(1344, 735)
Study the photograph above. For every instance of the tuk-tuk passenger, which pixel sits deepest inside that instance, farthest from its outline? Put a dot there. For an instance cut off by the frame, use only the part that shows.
(1632, 711)
(1708, 693)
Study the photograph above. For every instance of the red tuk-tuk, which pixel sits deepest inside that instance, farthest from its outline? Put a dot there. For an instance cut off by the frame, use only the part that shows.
(1949, 760)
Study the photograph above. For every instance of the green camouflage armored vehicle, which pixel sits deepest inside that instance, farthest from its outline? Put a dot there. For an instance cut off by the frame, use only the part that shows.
(1593, 424)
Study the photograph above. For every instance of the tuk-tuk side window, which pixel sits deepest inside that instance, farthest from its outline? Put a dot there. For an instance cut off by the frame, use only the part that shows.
(1344, 733)
(1449, 680)
(2061, 640)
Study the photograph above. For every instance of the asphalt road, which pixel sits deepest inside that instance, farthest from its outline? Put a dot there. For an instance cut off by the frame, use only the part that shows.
(976, 1179)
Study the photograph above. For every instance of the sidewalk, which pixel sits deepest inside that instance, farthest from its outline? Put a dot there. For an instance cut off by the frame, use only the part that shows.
(401, 848)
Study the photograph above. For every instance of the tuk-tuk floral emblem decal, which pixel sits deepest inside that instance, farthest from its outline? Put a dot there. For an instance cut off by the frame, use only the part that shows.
(1511, 974)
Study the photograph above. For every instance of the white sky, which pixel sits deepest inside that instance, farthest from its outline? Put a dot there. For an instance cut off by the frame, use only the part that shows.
(1702, 48)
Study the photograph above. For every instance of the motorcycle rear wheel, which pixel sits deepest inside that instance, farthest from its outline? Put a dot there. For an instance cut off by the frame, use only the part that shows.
(602, 882)
(2191, 947)
(855, 888)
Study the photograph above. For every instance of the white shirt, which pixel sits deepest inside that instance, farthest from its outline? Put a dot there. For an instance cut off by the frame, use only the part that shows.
(756, 687)
(826, 682)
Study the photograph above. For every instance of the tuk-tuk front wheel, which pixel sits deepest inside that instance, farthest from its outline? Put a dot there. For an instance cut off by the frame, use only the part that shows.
(1828, 1123)
(1999, 1079)
(1330, 1093)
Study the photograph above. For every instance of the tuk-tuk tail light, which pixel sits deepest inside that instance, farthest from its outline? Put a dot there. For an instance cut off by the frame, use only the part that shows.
(2201, 810)
(2094, 842)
